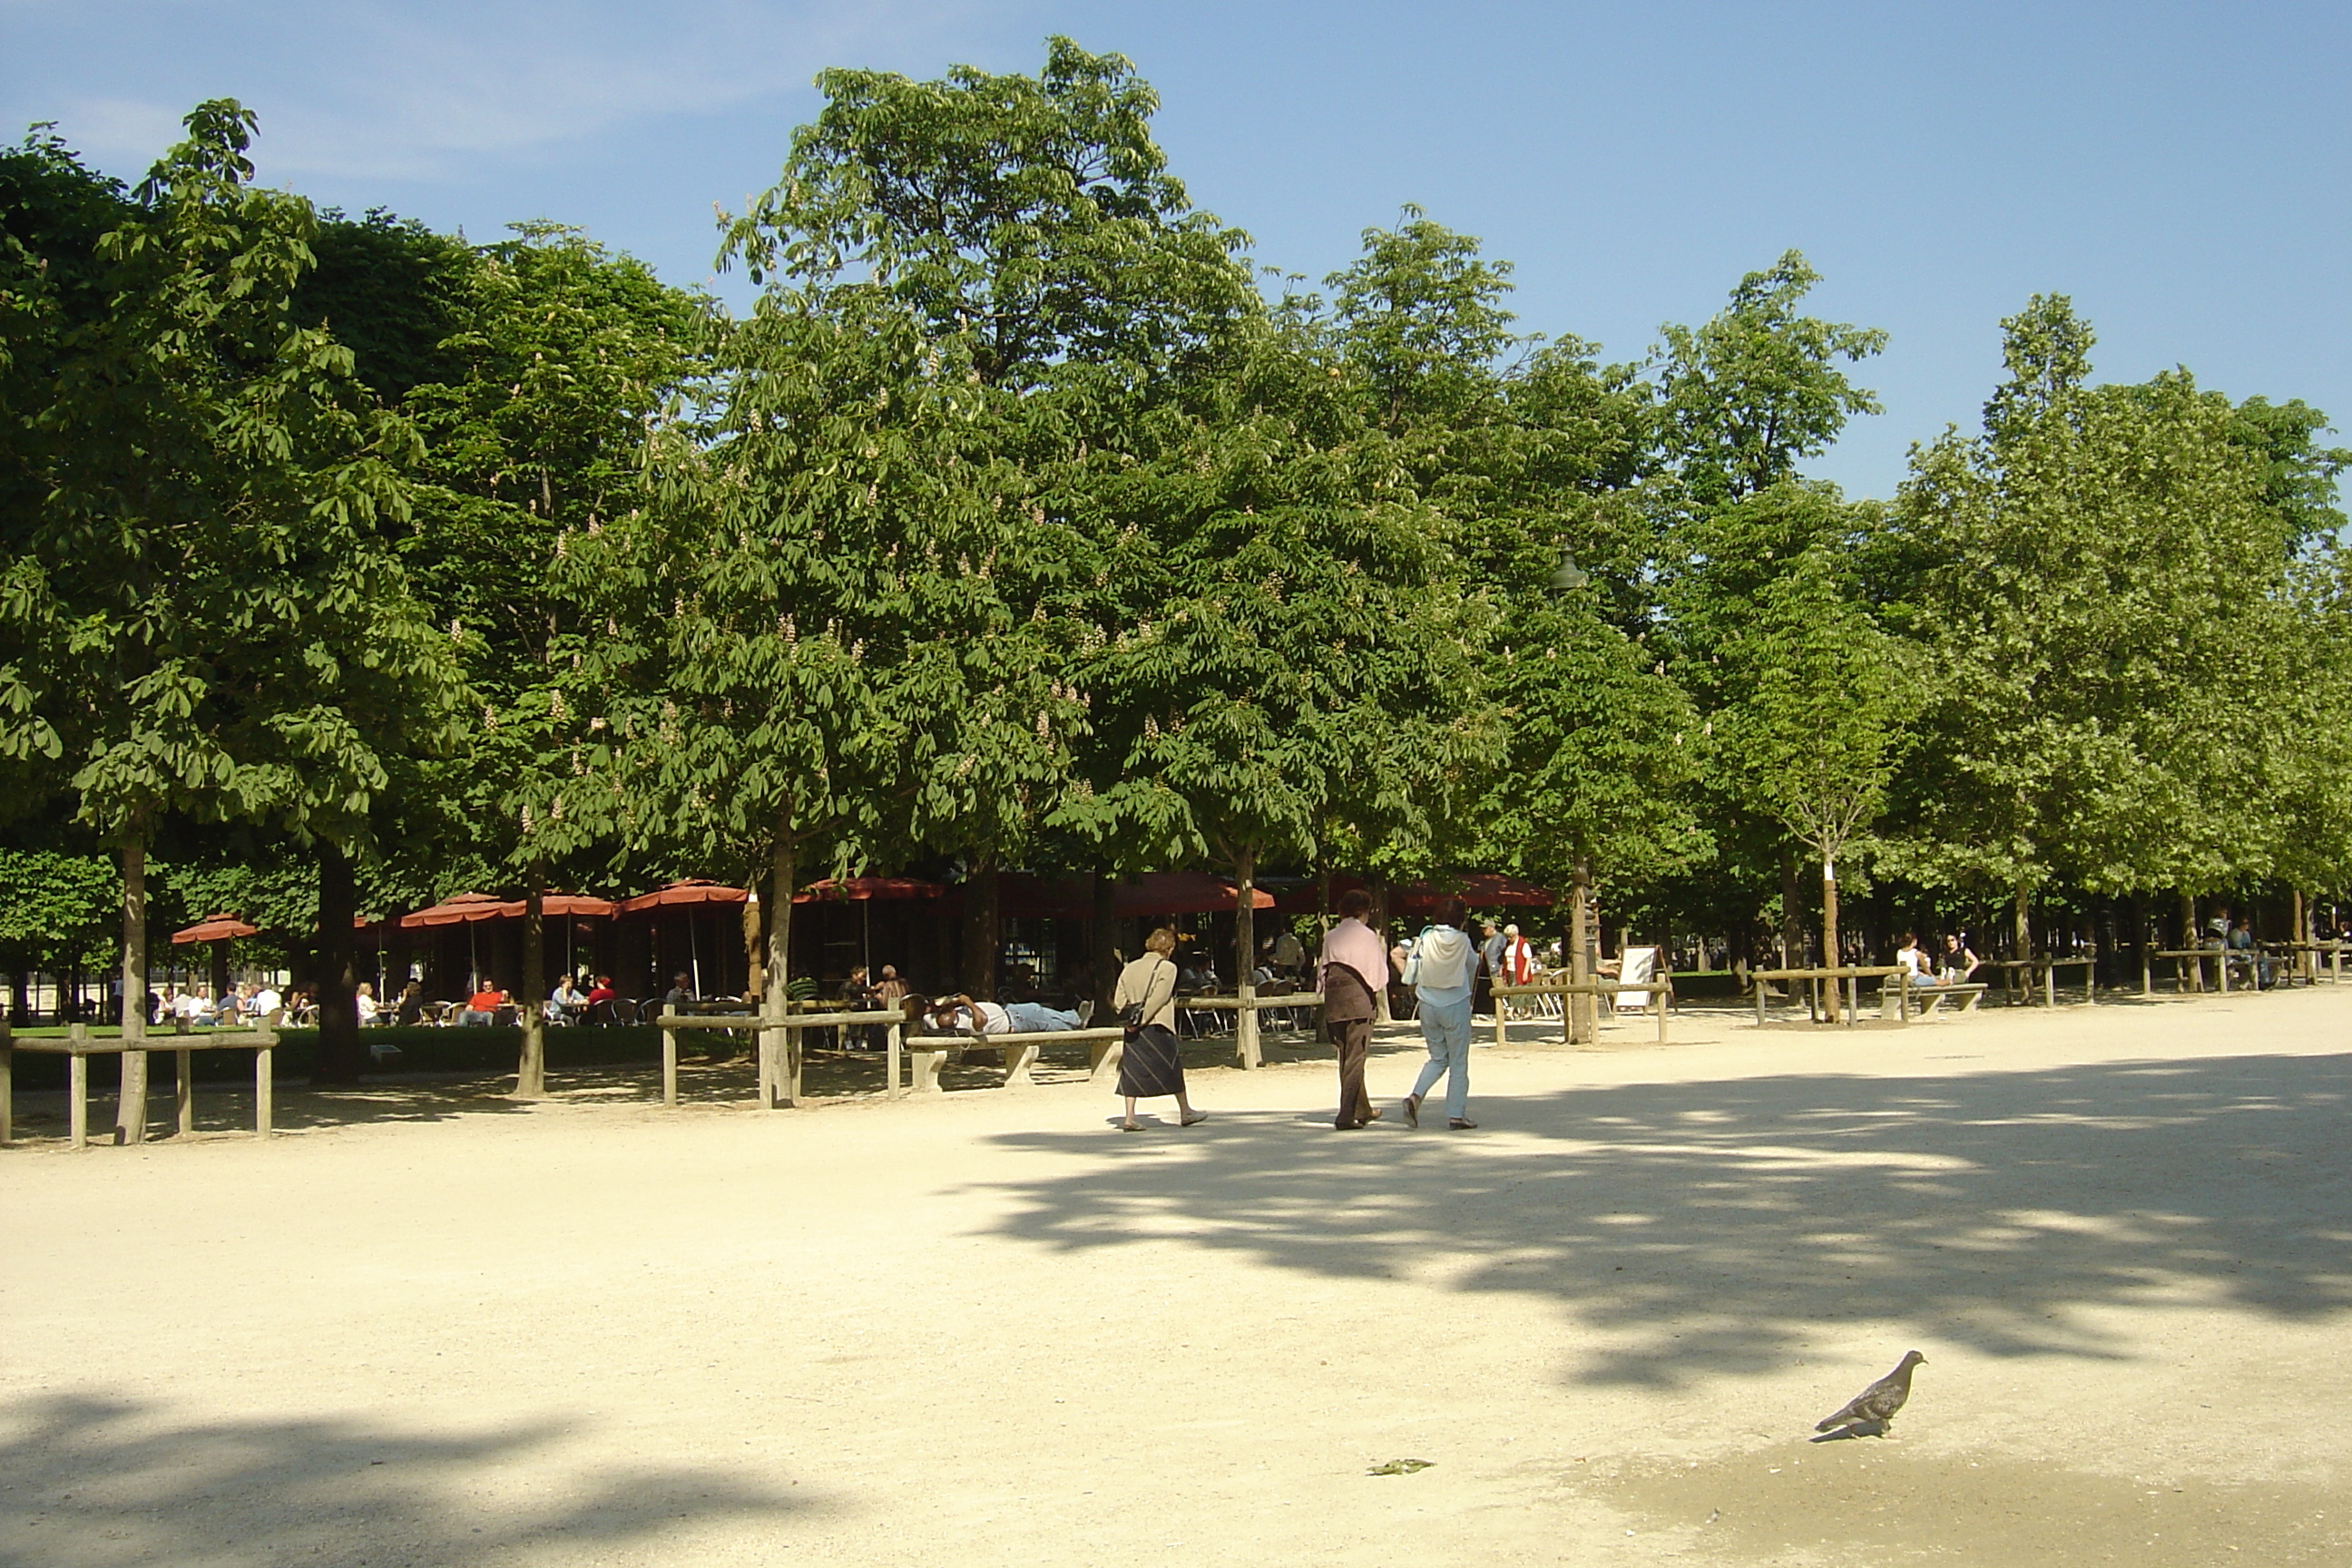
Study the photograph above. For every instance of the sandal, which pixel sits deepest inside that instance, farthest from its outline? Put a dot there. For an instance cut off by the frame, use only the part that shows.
(1194, 1120)
(1130, 1126)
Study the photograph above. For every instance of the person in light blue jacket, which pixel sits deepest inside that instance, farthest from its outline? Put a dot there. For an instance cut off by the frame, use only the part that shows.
(1444, 966)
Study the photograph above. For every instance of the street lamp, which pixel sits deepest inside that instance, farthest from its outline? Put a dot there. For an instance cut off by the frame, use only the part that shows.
(1570, 576)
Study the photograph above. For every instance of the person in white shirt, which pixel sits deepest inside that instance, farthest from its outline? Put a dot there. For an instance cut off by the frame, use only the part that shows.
(264, 1002)
(1919, 968)
(364, 998)
(960, 1013)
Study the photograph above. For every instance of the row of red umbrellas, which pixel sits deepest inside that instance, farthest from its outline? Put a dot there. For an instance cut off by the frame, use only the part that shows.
(1068, 897)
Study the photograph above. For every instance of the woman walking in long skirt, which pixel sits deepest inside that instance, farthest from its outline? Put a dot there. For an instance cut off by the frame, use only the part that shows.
(1151, 1065)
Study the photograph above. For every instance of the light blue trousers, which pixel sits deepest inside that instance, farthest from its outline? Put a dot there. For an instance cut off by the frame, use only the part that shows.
(1446, 1027)
(1037, 1018)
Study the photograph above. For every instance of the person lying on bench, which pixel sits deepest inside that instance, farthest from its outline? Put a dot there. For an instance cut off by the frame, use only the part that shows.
(960, 1014)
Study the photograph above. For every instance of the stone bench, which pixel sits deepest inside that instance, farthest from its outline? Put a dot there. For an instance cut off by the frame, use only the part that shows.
(926, 1054)
(1926, 1001)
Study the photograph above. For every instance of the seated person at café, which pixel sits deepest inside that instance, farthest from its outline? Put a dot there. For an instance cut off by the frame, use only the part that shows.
(602, 1000)
(482, 1006)
(261, 1001)
(960, 1014)
(565, 1003)
(195, 1007)
(363, 1000)
(681, 989)
(412, 1002)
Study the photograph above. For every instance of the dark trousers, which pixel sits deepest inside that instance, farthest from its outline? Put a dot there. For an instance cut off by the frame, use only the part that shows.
(1348, 1009)
(1353, 1037)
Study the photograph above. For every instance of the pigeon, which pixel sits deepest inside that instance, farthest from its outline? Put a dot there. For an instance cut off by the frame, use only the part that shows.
(1877, 1403)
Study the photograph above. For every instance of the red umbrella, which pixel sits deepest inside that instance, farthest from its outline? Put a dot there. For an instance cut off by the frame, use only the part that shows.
(850, 887)
(464, 907)
(1156, 893)
(691, 890)
(215, 928)
(580, 904)
(1479, 889)
(1183, 893)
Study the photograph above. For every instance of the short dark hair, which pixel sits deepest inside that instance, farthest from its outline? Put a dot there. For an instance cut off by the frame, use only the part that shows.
(1355, 904)
(1455, 913)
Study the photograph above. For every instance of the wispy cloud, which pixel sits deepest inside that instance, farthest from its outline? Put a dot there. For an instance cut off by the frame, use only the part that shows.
(426, 90)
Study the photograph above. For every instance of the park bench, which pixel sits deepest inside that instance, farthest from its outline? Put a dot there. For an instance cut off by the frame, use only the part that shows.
(926, 1054)
(1847, 977)
(2188, 967)
(79, 1045)
(1926, 1001)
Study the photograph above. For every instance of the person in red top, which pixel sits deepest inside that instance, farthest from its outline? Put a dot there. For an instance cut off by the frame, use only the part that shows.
(1518, 957)
(482, 1006)
(600, 1000)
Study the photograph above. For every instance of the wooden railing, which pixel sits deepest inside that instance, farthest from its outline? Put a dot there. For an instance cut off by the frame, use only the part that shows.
(78, 1044)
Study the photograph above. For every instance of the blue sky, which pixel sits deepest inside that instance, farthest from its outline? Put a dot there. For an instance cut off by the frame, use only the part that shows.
(2180, 169)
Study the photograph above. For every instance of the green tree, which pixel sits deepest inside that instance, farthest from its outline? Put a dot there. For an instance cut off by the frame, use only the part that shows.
(2106, 596)
(1295, 646)
(219, 620)
(1820, 720)
(560, 354)
(1757, 387)
(55, 910)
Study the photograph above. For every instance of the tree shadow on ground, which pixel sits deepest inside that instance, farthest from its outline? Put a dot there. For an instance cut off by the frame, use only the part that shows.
(93, 1483)
(1705, 1228)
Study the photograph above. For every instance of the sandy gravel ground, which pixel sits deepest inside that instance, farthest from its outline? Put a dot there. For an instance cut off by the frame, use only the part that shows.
(432, 1328)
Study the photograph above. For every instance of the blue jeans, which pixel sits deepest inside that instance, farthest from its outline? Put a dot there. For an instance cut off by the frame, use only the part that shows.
(1036, 1017)
(1446, 1027)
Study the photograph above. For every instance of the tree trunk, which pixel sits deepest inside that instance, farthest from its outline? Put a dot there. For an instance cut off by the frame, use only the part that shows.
(1793, 940)
(531, 1072)
(2188, 939)
(130, 1109)
(1245, 1048)
(755, 966)
(2024, 919)
(1102, 943)
(780, 1049)
(338, 1059)
(1830, 934)
(982, 948)
(1581, 1012)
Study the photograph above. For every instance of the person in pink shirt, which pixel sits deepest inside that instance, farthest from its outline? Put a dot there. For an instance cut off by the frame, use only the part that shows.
(1354, 971)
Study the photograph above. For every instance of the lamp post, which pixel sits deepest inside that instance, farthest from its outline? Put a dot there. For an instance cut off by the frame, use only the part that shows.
(1568, 576)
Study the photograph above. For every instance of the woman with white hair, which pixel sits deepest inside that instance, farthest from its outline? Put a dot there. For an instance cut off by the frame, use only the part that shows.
(1149, 1065)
